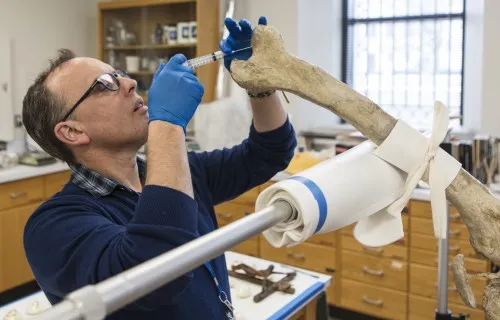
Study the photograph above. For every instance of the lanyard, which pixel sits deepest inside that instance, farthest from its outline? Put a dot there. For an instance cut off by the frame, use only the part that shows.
(222, 294)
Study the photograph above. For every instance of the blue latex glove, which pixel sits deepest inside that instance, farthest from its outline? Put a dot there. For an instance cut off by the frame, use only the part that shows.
(240, 36)
(175, 93)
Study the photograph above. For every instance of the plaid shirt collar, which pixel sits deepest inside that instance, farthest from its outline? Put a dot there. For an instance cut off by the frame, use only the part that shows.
(97, 184)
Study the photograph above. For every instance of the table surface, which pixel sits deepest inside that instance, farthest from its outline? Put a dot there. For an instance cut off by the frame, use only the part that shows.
(308, 285)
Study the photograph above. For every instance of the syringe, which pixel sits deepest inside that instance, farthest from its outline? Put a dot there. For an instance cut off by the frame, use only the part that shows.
(209, 58)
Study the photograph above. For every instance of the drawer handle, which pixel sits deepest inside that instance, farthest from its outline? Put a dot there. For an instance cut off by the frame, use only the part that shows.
(449, 288)
(454, 232)
(455, 216)
(299, 256)
(405, 210)
(226, 216)
(373, 250)
(331, 270)
(456, 249)
(378, 303)
(16, 195)
(326, 243)
(378, 273)
(246, 213)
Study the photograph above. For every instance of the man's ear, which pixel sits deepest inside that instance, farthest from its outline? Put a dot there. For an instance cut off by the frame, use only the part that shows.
(72, 133)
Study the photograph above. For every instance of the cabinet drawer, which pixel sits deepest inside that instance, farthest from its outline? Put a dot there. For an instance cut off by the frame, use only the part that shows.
(229, 212)
(387, 273)
(421, 308)
(455, 246)
(55, 182)
(249, 247)
(325, 239)
(350, 228)
(423, 209)
(306, 255)
(13, 194)
(373, 300)
(423, 282)
(14, 267)
(398, 250)
(424, 226)
(430, 258)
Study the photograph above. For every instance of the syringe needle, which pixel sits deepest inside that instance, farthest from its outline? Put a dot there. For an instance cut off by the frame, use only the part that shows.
(209, 58)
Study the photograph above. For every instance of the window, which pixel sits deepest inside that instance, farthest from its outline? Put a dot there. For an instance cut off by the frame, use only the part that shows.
(406, 54)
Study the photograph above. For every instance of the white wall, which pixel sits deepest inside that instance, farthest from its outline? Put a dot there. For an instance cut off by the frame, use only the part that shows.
(489, 67)
(38, 28)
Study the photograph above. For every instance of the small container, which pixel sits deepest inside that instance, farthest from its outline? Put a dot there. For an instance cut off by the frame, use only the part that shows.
(172, 35)
(144, 63)
(193, 35)
(165, 34)
(158, 34)
(132, 63)
(183, 32)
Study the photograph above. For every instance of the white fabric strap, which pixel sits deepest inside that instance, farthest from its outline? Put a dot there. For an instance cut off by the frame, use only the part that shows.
(439, 179)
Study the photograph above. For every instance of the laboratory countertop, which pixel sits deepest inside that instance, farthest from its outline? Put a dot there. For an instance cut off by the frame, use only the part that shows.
(20, 172)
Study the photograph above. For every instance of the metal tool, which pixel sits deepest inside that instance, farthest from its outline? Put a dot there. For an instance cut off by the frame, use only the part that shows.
(209, 58)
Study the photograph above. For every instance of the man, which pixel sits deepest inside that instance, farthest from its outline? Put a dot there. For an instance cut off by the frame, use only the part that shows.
(117, 211)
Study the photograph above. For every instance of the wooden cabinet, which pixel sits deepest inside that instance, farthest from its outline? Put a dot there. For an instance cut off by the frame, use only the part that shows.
(374, 300)
(55, 182)
(397, 251)
(306, 255)
(14, 266)
(17, 193)
(386, 272)
(421, 308)
(423, 282)
(18, 200)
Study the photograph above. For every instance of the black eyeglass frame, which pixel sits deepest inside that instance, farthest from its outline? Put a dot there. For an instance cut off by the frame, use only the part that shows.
(115, 74)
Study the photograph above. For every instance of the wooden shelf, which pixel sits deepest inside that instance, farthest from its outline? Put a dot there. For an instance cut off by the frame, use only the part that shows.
(152, 46)
(134, 4)
(140, 73)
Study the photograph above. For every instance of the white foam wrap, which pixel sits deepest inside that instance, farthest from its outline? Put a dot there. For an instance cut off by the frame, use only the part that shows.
(346, 188)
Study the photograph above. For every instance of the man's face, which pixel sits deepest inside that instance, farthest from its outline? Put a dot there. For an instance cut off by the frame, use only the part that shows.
(111, 119)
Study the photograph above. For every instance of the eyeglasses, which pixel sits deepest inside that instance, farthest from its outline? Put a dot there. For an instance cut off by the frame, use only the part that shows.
(106, 81)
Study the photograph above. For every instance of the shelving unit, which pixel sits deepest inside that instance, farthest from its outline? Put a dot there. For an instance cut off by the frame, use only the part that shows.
(140, 18)
(152, 46)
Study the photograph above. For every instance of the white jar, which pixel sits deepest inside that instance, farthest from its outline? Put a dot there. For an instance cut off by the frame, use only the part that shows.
(183, 32)
(193, 31)
(132, 63)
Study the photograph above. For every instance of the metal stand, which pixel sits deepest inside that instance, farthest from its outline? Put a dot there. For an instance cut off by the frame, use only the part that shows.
(94, 302)
(442, 312)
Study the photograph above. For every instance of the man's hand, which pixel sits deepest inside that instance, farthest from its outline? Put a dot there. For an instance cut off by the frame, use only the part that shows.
(240, 36)
(175, 93)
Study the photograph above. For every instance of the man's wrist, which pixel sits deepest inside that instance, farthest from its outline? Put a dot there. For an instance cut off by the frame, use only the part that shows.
(165, 126)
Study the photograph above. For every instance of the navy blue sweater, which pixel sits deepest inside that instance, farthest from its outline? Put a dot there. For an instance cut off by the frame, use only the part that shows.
(75, 239)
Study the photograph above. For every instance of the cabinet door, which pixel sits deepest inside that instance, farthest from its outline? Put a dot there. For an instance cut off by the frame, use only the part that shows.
(14, 268)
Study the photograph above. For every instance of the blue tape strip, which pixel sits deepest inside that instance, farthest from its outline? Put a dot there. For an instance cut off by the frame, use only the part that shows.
(298, 302)
(320, 199)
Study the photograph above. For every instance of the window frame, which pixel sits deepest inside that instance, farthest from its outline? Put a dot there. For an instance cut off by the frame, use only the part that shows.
(346, 22)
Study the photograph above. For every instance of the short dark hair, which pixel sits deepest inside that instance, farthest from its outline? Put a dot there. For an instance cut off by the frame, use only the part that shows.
(42, 110)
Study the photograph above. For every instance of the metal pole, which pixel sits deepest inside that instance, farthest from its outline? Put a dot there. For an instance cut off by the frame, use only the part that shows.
(128, 286)
(442, 282)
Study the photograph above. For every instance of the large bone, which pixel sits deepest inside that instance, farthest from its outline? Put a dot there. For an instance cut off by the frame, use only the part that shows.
(270, 67)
